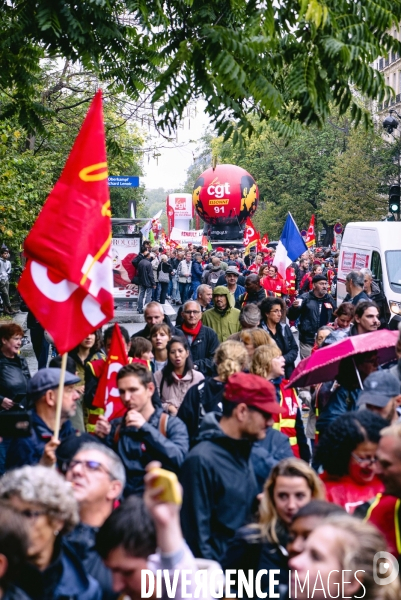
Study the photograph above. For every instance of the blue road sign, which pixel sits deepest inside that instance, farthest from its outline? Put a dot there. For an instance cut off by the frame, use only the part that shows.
(123, 181)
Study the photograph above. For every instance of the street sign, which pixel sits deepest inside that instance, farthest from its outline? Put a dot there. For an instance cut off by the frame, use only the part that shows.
(123, 181)
(338, 228)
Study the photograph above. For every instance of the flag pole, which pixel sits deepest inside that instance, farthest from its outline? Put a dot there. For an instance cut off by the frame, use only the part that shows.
(60, 392)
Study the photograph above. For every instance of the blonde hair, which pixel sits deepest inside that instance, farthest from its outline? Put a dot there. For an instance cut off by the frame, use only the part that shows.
(358, 542)
(288, 467)
(230, 357)
(257, 337)
(263, 358)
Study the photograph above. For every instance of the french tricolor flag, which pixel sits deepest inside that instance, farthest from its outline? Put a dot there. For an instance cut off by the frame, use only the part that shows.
(290, 246)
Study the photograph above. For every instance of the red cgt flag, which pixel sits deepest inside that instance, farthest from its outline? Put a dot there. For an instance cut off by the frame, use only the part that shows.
(265, 240)
(68, 280)
(310, 237)
(251, 236)
(107, 395)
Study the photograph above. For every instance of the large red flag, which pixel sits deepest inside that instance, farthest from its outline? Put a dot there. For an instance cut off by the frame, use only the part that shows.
(68, 282)
(310, 237)
(107, 395)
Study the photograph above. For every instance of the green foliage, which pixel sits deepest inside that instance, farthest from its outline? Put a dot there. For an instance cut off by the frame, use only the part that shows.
(31, 162)
(298, 175)
(287, 63)
(353, 189)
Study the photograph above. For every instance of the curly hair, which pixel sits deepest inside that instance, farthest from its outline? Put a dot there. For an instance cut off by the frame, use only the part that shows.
(43, 486)
(262, 359)
(230, 357)
(13, 542)
(343, 435)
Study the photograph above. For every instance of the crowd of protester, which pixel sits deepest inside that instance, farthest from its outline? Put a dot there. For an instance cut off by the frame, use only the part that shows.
(304, 481)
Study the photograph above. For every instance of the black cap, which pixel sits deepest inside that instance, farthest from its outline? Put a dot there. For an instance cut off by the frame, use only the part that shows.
(319, 278)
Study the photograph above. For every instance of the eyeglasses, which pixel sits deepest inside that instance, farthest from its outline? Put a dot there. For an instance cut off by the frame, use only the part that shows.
(366, 460)
(89, 465)
(191, 312)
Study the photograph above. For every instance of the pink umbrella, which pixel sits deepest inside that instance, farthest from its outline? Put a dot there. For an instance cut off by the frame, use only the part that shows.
(323, 365)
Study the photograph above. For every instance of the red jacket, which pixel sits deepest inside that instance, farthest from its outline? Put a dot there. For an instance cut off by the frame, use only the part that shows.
(277, 285)
(345, 492)
(384, 513)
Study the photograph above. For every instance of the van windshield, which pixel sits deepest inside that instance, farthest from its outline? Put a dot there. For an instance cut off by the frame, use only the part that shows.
(393, 261)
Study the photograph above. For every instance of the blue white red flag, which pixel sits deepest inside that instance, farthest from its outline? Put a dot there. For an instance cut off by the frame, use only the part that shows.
(290, 246)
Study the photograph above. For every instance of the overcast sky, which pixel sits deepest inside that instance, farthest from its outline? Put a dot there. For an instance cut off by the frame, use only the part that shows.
(170, 170)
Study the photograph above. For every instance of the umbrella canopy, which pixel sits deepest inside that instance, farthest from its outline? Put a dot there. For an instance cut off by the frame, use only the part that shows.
(323, 365)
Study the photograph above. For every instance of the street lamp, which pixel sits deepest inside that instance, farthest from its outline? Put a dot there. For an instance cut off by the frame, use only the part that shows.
(390, 123)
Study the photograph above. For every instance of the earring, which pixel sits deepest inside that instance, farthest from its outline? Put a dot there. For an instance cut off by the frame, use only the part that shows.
(56, 532)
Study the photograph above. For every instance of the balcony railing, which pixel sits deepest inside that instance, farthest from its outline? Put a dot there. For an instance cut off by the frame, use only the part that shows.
(385, 62)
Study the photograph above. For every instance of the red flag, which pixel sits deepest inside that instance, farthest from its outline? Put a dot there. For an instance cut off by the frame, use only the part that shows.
(251, 236)
(310, 237)
(68, 280)
(170, 219)
(265, 240)
(107, 395)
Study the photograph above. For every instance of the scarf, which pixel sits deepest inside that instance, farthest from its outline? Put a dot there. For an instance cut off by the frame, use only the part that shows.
(192, 332)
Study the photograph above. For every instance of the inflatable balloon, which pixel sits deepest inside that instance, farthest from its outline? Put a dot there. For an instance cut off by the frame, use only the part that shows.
(226, 195)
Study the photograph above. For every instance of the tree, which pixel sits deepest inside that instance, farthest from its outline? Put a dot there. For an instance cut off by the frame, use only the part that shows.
(289, 173)
(353, 188)
(286, 62)
(31, 161)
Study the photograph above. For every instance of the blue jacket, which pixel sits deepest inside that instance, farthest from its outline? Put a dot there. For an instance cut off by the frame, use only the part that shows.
(29, 450)
(197, 272)
(334, 403)
(268, 452)
(64, 579)
(138, 447)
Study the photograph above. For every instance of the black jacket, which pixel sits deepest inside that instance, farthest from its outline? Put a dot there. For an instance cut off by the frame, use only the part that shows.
(203, 348)
(145, 274)
(384, 311)
(252, 298)
(138, 447)
(82, 539)
(145, 332)
(14, 593)
(313, 313)
(14, 377)
(247, 552)
(287, 344)
(200, 399)
(64, 579)
(219, 490)
(138, 258)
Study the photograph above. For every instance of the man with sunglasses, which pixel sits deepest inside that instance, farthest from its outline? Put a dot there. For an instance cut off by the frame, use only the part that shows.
(203, 341)
(217, 476)
(97, 477)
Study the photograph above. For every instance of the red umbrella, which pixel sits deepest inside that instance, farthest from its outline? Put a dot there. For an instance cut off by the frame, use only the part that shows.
(323, 365)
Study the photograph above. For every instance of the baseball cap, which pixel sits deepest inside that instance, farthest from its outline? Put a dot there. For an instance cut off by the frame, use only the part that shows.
(48, 379)
(254, 391)
(232, 271)
(319, 278)
(378, 388)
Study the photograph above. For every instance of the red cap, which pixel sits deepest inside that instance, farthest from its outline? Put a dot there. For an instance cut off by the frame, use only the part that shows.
(253, 391)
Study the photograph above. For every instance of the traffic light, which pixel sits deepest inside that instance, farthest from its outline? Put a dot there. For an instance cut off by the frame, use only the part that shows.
(394, 200)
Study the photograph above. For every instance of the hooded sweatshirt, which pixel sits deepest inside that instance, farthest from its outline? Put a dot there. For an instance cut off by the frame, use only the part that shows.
(226, 322)
(219, 490)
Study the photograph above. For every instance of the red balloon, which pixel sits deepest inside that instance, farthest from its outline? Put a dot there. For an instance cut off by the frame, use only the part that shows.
(225, 195)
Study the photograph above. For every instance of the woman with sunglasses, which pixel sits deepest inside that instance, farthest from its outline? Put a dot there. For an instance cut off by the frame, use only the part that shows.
(347, 453)
(45, 501)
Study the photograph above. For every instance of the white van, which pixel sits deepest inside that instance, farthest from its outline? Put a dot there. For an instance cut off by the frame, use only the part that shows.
(376, 246)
